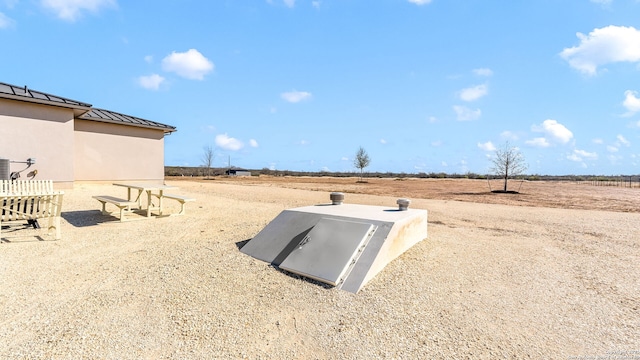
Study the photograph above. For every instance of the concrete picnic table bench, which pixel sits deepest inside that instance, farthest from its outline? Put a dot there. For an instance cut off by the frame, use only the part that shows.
(135, 200)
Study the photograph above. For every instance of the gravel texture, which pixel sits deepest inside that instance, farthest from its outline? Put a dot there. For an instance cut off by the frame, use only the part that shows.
(490, 281)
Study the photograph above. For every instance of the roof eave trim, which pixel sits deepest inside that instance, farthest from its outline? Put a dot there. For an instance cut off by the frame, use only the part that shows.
(166, 130)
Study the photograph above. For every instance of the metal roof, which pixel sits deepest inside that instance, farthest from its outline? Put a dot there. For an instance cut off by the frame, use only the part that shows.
(81, 110)
(23, 93)
(96, 114)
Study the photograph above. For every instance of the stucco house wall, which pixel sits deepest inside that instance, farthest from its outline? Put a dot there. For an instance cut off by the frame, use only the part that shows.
(38, 131)
(73, 141)
(105, 151)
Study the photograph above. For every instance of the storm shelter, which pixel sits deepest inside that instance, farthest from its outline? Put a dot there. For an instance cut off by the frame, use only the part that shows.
(344, 245)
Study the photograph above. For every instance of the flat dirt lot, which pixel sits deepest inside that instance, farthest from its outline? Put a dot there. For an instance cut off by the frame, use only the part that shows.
(556, 194)
(551, 273)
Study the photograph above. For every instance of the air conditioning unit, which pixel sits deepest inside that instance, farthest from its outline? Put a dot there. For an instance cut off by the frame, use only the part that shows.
(5, 170)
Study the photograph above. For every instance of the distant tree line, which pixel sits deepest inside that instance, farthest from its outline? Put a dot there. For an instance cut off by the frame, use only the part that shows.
(202, 171)
(193, 171)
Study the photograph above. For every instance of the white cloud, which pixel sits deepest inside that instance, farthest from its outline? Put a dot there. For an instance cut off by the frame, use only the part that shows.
(488, 146)
(622, 140)
(5, 21)
(631, 102)
(555, 130)
(303, 142)
(253, 143)
(508, 135)
(316, 4)
(598, 141)
(574, 157)
(483, 72)
(538, 142)
(586, 154)
(420, 2)
(295, 96)
(151, 82)
(71, 10)
(383, 141)
(228, 143)
(602, 2)
(463, 113)
(190, 64)
(579, 155)
(474, 93)
(612, 149)
(602, 46)
(290, 3)
(432, 119)
(614, 159)
(344, 158)
(148, 59)
(436, 143)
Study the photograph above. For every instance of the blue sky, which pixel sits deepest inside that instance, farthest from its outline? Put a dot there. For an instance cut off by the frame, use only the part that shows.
(421, 85)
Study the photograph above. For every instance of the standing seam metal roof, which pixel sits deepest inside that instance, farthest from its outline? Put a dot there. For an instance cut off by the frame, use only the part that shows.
(23, 91)
(114, 117)
(18, 92)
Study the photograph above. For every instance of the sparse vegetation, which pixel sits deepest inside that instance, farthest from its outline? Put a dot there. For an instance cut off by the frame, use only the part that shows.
(596, 180)
(361, 161)
(508, 162)
(207, 159)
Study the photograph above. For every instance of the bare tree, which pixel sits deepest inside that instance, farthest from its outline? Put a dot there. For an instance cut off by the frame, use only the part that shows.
(207, 159)
(361, 161)
(508, 161)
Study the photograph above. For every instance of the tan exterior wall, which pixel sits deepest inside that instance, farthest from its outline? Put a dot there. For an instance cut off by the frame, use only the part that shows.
(107, 152)
(41, 132)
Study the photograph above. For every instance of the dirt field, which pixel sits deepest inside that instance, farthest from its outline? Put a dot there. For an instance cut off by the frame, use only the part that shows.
(551, 273)
(555, 194)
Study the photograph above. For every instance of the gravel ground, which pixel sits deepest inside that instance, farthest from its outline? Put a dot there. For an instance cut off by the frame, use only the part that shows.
(490, 281)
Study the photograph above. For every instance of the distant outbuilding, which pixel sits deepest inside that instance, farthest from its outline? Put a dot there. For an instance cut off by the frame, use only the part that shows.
(235, 171)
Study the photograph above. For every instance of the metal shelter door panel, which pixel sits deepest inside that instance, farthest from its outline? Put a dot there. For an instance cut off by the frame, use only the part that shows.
(328, 250)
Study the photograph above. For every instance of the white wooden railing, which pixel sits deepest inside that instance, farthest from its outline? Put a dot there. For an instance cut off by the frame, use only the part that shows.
(31, 200)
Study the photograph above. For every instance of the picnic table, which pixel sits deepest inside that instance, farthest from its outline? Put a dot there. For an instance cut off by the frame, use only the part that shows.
(152, 190)
(133, 200)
